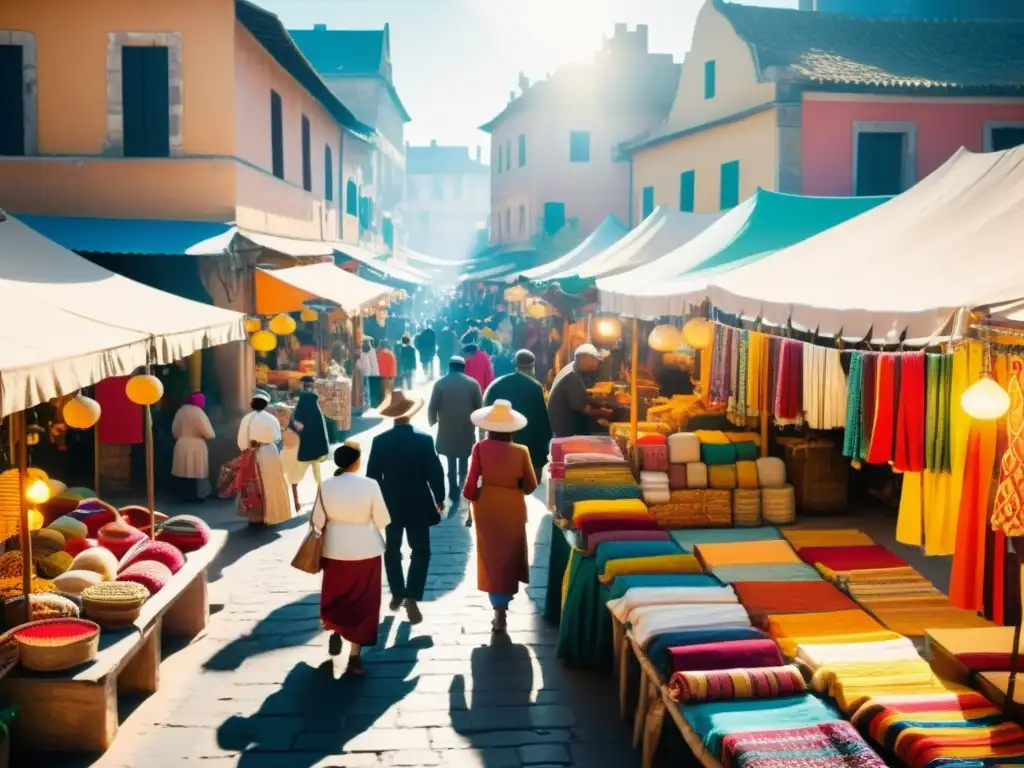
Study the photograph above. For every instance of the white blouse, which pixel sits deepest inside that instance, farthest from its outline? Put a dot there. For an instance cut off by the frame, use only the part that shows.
(259, 426)
(356, 514)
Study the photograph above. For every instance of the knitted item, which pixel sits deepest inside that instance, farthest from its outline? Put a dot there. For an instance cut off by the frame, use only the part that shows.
(654, 457)
(98, 560)
(69, 527)
(696, 475)
(746, 508)
(95, 514)
(677, 476)
(683, 448)
(722, 478)
(76, 582)
(717, 454)
(161, 552)
(746, 475)
(187, 532)
(778, 505)
(771, 472)
(119, 537)
(150, 574)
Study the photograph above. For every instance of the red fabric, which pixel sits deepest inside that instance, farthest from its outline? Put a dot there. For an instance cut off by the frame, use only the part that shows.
(732, 654)
(851, 558)
(387, 364)
(249, 487)
(880, 451)
(762, 598)
(480, 369)
(122, 419)
(599, 523)
(790, 392)
(910, 415)
(991, 661)
(350, 599)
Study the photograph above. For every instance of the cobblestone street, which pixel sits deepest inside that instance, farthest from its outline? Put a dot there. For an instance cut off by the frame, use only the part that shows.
(260, 690)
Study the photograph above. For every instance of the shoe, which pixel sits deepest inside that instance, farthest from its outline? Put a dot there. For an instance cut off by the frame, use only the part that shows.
(355, 667)
(334, 644)
(395, 604)
(412, 611)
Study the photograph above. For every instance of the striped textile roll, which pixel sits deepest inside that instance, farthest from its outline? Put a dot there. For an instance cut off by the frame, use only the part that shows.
(746, 508)
(731, 684)
(778, 505)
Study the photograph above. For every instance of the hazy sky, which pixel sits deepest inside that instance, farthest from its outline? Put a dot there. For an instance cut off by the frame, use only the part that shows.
(455, 61)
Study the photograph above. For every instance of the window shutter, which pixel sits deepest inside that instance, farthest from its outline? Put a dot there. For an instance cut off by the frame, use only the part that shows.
(145, 92)
(12, 100)
(328, 174)
(307, 161)
(687, 185)
(277, 134)
(729, 195)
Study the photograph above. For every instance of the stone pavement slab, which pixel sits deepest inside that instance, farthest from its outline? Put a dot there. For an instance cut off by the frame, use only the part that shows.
(259, 691)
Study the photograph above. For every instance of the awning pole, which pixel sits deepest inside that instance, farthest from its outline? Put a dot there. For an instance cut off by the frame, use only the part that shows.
(96, 461)
(21, 422)
(634, 400)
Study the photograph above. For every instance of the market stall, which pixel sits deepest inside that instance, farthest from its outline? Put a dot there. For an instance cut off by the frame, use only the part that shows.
(607, 233)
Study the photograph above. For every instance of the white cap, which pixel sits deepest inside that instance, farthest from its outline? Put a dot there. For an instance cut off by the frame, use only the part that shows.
(591, 350)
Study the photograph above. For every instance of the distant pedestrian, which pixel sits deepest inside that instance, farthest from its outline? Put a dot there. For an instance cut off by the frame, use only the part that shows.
(452, 402)
(366, 369)
(447, 340)
(478, 362)
(406, 363)
(387, 367)
(426, 345)
(260, 481)
(526, 395)
(308, 421)
(352, 512)
(191, 430)
(404, 462)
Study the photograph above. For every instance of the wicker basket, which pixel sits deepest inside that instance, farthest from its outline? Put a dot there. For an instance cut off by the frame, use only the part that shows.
(746, 508)
(114, 604)
(695, 509)
(819, 473)
(778, 505)
(53, 645)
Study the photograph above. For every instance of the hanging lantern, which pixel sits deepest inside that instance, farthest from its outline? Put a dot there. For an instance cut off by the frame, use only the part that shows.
(38, 492)
(515, 294)
(308, 315)
(665, 338)
(33, 435)
(282, 325)
(81, 412)
(698, 333)
(253, 324)
(263, 341)
(538, 310)
(985, 400)
(606, 331)
(144, 389)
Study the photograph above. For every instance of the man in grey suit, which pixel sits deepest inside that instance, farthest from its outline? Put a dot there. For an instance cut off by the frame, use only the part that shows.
(453, 400)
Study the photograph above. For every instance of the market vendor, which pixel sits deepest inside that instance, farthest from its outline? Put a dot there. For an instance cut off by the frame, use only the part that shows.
(669, 372)
(569, 407)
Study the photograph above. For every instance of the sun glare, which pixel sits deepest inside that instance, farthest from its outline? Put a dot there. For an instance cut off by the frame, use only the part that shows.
(556, 32)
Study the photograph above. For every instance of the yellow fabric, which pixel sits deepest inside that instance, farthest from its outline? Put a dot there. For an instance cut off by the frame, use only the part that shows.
(723, 477)
(712, 437)
(773, 552)
(915, 621)
(681, 563)
(754, 365)
(746, 475)
(608, 507)
(790, 630)
(841, 537)
(980, 640)
(744, 437)
(851, 685)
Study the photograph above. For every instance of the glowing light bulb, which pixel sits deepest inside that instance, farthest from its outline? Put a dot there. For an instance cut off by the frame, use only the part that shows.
(38, 492)
(985, 400)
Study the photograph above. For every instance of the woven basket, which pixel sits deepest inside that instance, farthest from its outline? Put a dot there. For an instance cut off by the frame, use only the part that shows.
(819, 474)
(114, 604)
(778, 505)
(746, 508)
(54, 645)
(694, 509)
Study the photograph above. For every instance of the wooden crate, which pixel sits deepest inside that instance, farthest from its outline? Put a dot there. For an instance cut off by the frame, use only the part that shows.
(819, 472)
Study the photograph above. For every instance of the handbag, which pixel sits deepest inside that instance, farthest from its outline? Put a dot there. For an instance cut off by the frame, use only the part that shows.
(309, 557)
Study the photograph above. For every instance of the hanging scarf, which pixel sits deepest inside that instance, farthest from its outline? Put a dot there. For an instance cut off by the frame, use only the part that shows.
(755, 357)
(910, 415)
(939, 380)
(789, 393)
(880, 448)
(813, 385)
(851, 440)
(835, 390)
(718, 393)
(739, 415)
(1008, 510)
(869, 382)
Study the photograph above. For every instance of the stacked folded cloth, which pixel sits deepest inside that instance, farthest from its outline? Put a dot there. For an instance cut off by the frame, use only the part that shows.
(790, 630)
(654, 487)
(563, 446)
(765, 598)
(590, 450)
(694, 509)
(653, 450)
(595, 516)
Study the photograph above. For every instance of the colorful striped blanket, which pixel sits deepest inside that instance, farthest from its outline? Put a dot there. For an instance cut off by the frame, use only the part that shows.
(829, 745)
(728, 684)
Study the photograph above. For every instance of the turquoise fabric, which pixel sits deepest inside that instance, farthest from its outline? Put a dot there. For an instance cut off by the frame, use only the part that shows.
(558, 560)
(566, 496)
(585, 632)
(712, 721)
(746, 451)
(617, 550)
(715, 455)
(658, 647)
(620, 584)
(730, 574)
(688, 538)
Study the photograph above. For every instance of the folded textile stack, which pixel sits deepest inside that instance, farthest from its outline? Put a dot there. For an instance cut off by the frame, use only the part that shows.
(957, 653)
(563, 446)
(657, 619)
(653, 452)
(853, 684)
(649, 565)
(689, 539)
(654, 486)
(716, 555)
(746, 508)
(683, 448)
(625, 608)
(694, 509)
(737, 684)
(764, 598)
(591, 516)
(792, 572)
(607, 551)
(790, 630)
(837, 537)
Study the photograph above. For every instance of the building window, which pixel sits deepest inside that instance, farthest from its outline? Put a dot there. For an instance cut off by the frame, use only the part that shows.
(554, 217)
(508, 221)
(729, 194)
(307, 161)
(647, 202)
(998, 136)
(328, 174)
(351, 198)
(501, 154)
(508, 154)
(522, 219)
(146, 101)
(709, 79)
(457, 184)
(687, 188)
(522, 149)
(437, 188)
(12, 100)
(884, 157)
(276, 134)
(579, 147)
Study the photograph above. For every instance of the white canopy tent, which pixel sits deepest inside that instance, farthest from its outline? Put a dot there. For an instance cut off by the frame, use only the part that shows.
(950, 242)
(655, 236)
(327, 281)
(607, 233)
(70, 323)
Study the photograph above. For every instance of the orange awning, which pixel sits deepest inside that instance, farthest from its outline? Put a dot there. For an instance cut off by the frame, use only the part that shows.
(287, 290)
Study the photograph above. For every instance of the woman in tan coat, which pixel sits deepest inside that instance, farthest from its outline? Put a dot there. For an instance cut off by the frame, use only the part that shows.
(500, 478)
(191, 429)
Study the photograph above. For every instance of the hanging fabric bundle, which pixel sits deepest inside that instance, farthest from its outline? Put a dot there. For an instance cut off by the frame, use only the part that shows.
(739, 400)
(854, 407)
(910, 415)
(719, 390)
(939, 371)
(755, 363)
(814, 385)
(880, 448)
(869, 383)
(789, 392)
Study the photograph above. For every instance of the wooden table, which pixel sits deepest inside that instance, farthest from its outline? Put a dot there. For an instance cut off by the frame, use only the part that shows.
(76, 710)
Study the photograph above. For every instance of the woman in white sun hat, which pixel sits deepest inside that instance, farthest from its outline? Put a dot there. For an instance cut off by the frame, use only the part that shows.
(500, 478)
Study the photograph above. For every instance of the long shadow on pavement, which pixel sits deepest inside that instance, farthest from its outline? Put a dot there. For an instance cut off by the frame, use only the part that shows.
(288, 626)
(316, 714)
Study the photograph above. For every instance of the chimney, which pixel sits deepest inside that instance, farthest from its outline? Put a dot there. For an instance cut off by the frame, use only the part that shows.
(433, 143)
(641, 38)
(478, 153)
(524, 82)
(319, 27)
(620, 31)
(511, 96)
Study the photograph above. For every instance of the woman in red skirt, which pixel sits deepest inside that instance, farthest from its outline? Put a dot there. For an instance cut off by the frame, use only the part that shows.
(353, 545)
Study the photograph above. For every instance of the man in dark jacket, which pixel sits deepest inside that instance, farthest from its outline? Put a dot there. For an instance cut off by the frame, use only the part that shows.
(406, 364)
(308, 421)
(452, 402)
(447, 340)
(526, 394)
(403, 461)
(426, 345)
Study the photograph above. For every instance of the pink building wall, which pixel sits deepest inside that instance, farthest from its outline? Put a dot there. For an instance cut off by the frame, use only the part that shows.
(943, 126)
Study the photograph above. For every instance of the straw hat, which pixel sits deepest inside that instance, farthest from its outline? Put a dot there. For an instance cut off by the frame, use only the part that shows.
(498, 418)
(400, 405)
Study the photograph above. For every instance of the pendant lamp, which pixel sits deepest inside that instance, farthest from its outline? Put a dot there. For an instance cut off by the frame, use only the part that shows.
(698, 333)
(985, 399)
(282, 325)
(606, 331)
(263, 341)
(665, 338)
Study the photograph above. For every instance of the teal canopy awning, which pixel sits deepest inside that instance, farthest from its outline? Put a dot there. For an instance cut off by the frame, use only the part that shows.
(145, 237)
(762, 224)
